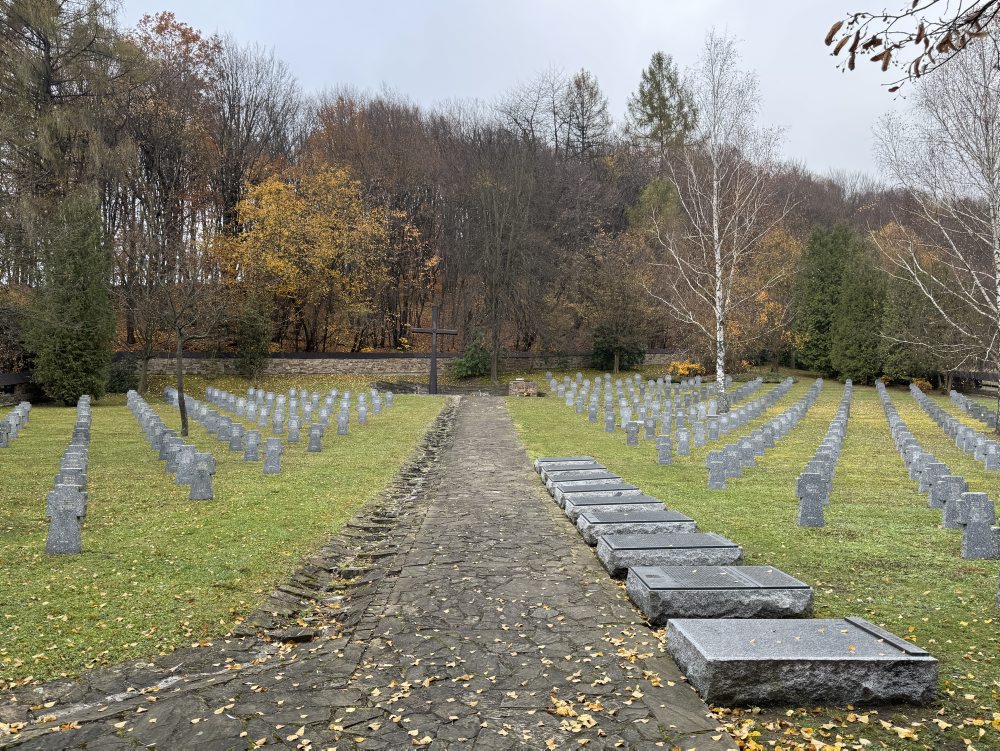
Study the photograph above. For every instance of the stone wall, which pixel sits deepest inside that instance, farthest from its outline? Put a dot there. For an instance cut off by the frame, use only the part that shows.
(379, 364)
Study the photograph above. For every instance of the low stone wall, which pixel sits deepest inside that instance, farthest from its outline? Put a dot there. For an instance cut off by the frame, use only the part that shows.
(380, 364)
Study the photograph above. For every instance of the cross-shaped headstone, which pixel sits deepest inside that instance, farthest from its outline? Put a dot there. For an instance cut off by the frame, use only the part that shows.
(434, 330)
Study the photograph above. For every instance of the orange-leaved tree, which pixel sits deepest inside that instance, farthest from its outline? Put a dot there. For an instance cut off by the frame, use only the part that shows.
(311, 243)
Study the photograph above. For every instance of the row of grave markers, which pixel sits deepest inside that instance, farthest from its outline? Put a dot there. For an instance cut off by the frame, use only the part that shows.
(12, 423)
(181, 459)
(814, 485)
(232, 433)
(969, 440)
(690, 411)
(977, 411)
(66, 503)
(973, 513)
(730, 462)
(689, 580)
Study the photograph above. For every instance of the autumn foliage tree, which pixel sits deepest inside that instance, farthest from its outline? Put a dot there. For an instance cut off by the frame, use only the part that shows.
(312, 243)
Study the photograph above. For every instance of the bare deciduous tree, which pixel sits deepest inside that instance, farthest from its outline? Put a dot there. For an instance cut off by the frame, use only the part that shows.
(727, 202)
(946, 154)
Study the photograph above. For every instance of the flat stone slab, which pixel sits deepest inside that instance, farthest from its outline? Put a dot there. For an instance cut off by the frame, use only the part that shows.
(562, 490)
(594, 523)
(578, 503)
(584, 475)
(619, 553)
(543, 461)
(800, 663)
(546, 470)
(664, 592)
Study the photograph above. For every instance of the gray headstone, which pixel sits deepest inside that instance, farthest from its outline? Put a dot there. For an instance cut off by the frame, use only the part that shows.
(251, 446)
(272, 456)
(811, 491)
(65, 523)
(315, 439)
(201, 482)
(977, 515)
(632, 434)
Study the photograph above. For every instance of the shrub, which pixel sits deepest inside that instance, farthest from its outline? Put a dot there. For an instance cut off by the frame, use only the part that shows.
(923, 384)
(474, 361)
(123, 375)
(685, 369)
(617, 348)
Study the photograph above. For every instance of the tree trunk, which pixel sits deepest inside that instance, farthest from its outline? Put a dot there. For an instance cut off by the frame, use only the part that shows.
(616, 362)
(143, 376)
(180, 385)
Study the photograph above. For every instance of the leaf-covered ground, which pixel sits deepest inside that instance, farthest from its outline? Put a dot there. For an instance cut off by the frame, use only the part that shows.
(881, 556)
(158, 570)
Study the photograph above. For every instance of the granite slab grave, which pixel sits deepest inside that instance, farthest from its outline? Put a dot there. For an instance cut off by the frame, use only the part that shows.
(574, 503)
(800, 663)
(584, 475)
(569, 461)
(664, 592)
(564, 493)
(549, 467)
(618, 553)
(594, 524)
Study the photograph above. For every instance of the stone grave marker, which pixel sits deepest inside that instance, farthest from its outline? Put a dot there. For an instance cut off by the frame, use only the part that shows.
(272, 456)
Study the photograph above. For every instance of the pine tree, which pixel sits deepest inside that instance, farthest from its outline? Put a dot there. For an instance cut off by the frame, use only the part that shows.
(856, 335)
(661, 112)
(71, 327)
(816, 292)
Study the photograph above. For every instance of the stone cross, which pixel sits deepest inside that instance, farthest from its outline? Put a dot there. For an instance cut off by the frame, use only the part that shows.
(251, 446)
(434, 330)
(293, 431)
(632, 433)
(716, 470)
(664, 449)
(272, 456)
(343, 420)
(977, 515)
(315, 439)
(236, 437)
(65, 523)
(811, 490)
(201, 478)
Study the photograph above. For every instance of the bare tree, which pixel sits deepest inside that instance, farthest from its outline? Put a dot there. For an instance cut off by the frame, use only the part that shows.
(936, 30)
(946, 154)
(723, 180)
(255, 104)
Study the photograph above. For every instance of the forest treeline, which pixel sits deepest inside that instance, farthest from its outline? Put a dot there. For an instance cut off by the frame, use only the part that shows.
(164, 189)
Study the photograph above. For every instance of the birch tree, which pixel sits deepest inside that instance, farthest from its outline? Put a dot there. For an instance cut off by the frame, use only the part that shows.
(945, 152)
(726, 203)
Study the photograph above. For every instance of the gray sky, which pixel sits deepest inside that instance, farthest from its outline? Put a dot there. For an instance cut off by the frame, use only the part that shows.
(437, 50)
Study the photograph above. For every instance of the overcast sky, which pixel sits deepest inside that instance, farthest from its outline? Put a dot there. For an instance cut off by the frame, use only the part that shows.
(437, 50)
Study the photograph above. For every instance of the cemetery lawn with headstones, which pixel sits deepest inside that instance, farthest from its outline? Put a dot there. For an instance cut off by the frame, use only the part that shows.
(881, 555)
(157, 570)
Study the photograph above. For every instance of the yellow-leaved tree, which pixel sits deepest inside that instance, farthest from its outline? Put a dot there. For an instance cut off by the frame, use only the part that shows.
(310, 241)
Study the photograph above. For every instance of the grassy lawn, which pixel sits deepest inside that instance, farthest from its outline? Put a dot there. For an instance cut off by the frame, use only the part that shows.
(881, 556)
(158, 570)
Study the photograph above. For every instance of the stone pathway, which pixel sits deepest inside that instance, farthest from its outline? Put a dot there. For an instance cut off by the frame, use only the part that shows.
(462, 611)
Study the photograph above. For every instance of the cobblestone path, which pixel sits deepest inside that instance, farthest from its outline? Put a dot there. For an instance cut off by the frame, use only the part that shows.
(463, 611)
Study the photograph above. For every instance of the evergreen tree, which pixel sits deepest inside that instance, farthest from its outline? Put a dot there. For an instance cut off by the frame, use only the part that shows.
(72, 326)
(856, 335)
(254, 331)
(661, 112)
(817, 290)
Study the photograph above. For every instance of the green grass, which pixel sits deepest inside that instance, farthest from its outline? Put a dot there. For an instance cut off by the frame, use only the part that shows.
(158, 570)
(881, 556)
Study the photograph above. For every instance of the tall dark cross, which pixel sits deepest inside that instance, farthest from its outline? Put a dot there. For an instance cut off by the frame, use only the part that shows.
(434, 331)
